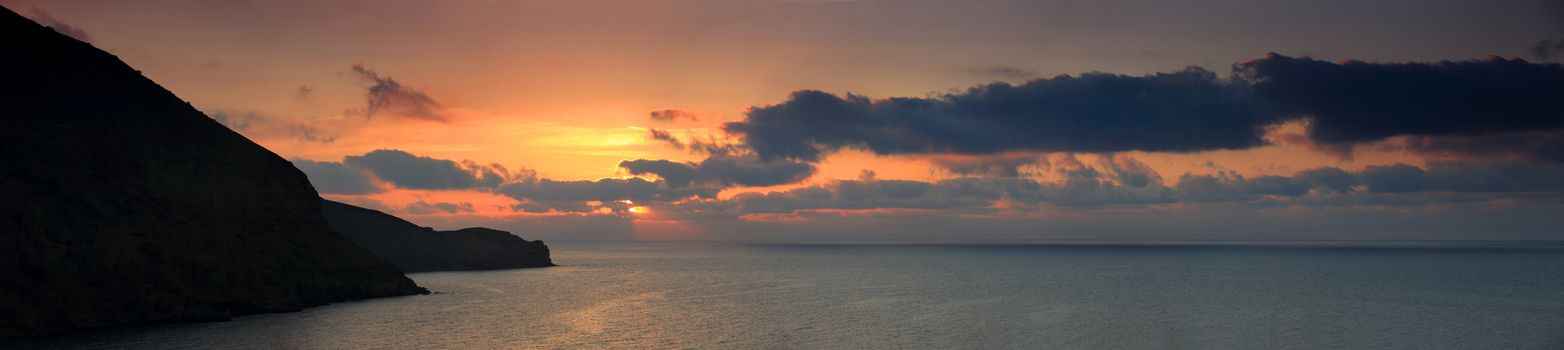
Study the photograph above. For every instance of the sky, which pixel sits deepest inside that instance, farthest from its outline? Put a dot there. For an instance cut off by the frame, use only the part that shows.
(984, 120)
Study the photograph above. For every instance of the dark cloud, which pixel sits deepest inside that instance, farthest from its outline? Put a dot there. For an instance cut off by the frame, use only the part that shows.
(603, 190)
(1129, 171)
(866, 194)
(1465, 177)
(47, 20)
(673, 114)
(304, 92)
(750, 170)
(1005, 164)
(676, 174)
(1096, 112)
(1547, 146)
(971, 195)
(1114, 180)
(1547, 49)
(1342, 104)
(1227, 186)
(688, 191)
(710, 146)
(1003, 72)
(1236, 221)
(1356, 102)
(1117, 181)
(1188, 110)
(1398, 178)
(1492, 177)
(385, 96)
(406, 170)
(1083, 186)
(360, 174)
(1328, 179)
(309, 133)
(422, 207)
(722, 170)
(336, 178)
(1340, 151)
(664, 136)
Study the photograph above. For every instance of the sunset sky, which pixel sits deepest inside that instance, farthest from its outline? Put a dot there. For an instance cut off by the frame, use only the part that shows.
(886, 120)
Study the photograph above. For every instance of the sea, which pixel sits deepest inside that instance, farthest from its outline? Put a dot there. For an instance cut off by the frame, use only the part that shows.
(936, 295)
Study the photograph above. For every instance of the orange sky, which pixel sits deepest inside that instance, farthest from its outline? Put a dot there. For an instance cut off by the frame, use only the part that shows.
(565, 87)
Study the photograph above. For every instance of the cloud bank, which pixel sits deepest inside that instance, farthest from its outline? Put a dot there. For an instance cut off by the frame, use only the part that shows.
(723, 170)
(1191, 110)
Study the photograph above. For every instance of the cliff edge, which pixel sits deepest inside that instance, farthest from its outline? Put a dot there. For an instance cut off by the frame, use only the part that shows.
(418, 249)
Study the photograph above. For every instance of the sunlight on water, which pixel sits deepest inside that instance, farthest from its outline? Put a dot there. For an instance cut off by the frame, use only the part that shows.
(666, 295)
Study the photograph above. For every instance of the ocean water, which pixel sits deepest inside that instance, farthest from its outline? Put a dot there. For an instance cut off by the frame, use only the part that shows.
(902, 296)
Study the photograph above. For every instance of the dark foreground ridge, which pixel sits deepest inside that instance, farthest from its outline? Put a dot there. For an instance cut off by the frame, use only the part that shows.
(418, 249)
(125, 205)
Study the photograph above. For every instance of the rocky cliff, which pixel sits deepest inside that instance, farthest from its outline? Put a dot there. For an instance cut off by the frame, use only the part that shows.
(125, 205)
(413, 248)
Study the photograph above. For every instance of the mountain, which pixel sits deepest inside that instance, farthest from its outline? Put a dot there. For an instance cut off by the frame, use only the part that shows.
(125, 205)
(414, 249)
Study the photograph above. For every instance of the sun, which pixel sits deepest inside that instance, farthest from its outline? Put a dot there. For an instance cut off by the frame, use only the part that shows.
(639, 210)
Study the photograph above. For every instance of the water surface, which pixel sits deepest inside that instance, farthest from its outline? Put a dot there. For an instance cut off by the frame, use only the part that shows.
(871, 296)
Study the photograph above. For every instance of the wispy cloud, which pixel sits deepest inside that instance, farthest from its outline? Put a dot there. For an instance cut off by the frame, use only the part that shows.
(386, 97)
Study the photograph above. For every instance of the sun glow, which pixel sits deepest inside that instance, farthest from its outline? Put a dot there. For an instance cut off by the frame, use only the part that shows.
(639, 210)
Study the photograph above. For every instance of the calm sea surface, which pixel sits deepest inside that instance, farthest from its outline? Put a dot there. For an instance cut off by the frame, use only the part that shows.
(895, 296)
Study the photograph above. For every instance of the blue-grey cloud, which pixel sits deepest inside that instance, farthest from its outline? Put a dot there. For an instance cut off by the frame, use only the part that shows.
(676, 174)
(1545, 146)
(368, 173)
(406, 170)
(1118, 182)
(336, 178)
(750, 170)
(1343, 104)
(1004, 164)
(422, 207)
(1396, 178)
(603, 190)
(1328, 179)
(1355, 101)
(723, 170)
(1465, 177)
(1113, 181)
(1183, 111)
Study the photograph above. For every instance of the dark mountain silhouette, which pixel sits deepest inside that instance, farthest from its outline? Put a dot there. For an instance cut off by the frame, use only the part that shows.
(125, 205)
(413, 248)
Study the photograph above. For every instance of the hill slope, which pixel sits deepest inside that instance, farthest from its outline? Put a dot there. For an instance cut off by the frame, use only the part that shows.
(125, 205)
